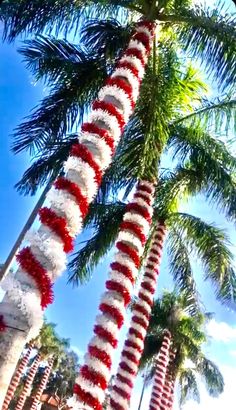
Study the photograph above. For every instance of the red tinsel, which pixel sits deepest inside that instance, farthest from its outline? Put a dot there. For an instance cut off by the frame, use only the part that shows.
(156, 252)
(130, 343)
(112, 110)
(87, 398)
(145, 188)
(58, 225)
(125, 380)
(152, 259)
(101, 355)
(140, 195)
(142, 310)
(123, 269)
(2, 324)
(124, 86)
(150, 275)
(139, 209)
(145, 298)
(130, 356)
(129, 66)
(73, 189)
(134, 52)
(121, 392)
(139, 321)
(105, 334)
(125, 367)
(146, 285)
(114, 312)
(117, 287)
(29, 264)
(115, 405)
(150, 25)
(94, 377)
(104, 134)
(132, 253)
(81, 151)
(144, 39)
(135, 332)
(133, 227)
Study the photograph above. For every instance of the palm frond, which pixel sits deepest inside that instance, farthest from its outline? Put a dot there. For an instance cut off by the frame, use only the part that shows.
(211, 376)
(188, 387)
(209, 34)
(95, 248)
(47, 167)
(68, 101)
(212, 247)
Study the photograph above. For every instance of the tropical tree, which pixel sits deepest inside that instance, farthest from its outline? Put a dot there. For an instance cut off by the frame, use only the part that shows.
(173, 312)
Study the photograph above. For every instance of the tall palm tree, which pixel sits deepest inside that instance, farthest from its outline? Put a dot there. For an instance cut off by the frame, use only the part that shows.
(173, 312)
(47, 344)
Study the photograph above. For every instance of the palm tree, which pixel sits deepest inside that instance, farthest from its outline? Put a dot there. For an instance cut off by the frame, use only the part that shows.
(47, 344)
(174, 312)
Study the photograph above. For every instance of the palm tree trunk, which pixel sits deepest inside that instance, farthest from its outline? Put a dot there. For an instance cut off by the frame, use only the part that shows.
(6, 266)
(134, 343)
(160, 374)
(167, 395)
(94, 376)
(43, 385)
(16, 378)
(28, 383)
(43, 261)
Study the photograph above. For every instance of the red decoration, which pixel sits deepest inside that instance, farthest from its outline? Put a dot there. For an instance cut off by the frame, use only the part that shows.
(75, 191)
(105, 334)
(122, 392)
(57, 224)
(130, 343)
(104, 134)
(128, 66)
(125, 367)
(117, 287)
(131, 357)
(81, 151)
(148, 287)
(127, 88)
(139, 209)
(29, 264)
(144, 39)
(134, 52)
(112, 110)
(132, 253)
(140, 321)
(140, 195)
(87, 398)
(122, 269)
(125, 380)
(114, 312)
(133, 227)
(94, 377)
(2, 324)
(115, 405)
(100, 354)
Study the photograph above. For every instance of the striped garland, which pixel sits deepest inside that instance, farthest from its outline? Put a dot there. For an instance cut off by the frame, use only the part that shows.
(43, 384)
(168, 393)
(160, 374)
(134, 343)
(16, 378)
(44, 259)
(28, 384)
(94, 375)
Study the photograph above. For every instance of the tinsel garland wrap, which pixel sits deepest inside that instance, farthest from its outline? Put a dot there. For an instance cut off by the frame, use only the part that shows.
(28, 383)
(94, 375)
(43, 385)
(134, 343)
(44, 259)
(160, 374)
(167, 395)
(16, 378)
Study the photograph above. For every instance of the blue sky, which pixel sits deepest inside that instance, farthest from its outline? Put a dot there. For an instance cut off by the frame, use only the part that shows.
(74, 309)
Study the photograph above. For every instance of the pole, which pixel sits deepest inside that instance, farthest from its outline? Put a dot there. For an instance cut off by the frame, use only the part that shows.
(142, 393)
(6, 266)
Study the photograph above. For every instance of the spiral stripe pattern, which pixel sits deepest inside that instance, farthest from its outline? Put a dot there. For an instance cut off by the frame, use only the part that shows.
(132, 351)
(27, 386)
(168, 386)
(43, 384)
(94, 375)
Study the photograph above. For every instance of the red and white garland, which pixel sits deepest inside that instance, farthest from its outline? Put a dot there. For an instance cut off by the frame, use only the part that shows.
(43, 385)
(94, 375)
(168, 389)
(28, 384)
(160, 374)
(134, 343)
(44, 259)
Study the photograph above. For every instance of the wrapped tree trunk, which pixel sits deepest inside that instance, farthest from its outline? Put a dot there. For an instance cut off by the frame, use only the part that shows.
(43, 384)
(168, 393)
(16, 378)
(94, 375)
(134, 343)
(40, 263)
(28, 383)
(160, 374)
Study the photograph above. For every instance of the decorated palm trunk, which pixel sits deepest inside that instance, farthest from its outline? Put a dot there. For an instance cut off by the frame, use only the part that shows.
(94, 375)
(43, 385)
(134, 343)
(172, 394)
(28, 383)
(168, 393)
(160, 374)
(16, 378)
(40, 263)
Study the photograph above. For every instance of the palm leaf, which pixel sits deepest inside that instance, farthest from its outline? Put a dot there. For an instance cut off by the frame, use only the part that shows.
(211, 376)
(188, 387)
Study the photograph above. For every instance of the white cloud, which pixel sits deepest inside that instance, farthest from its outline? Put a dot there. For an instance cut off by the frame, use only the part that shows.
(221, 331)
(232, 353)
